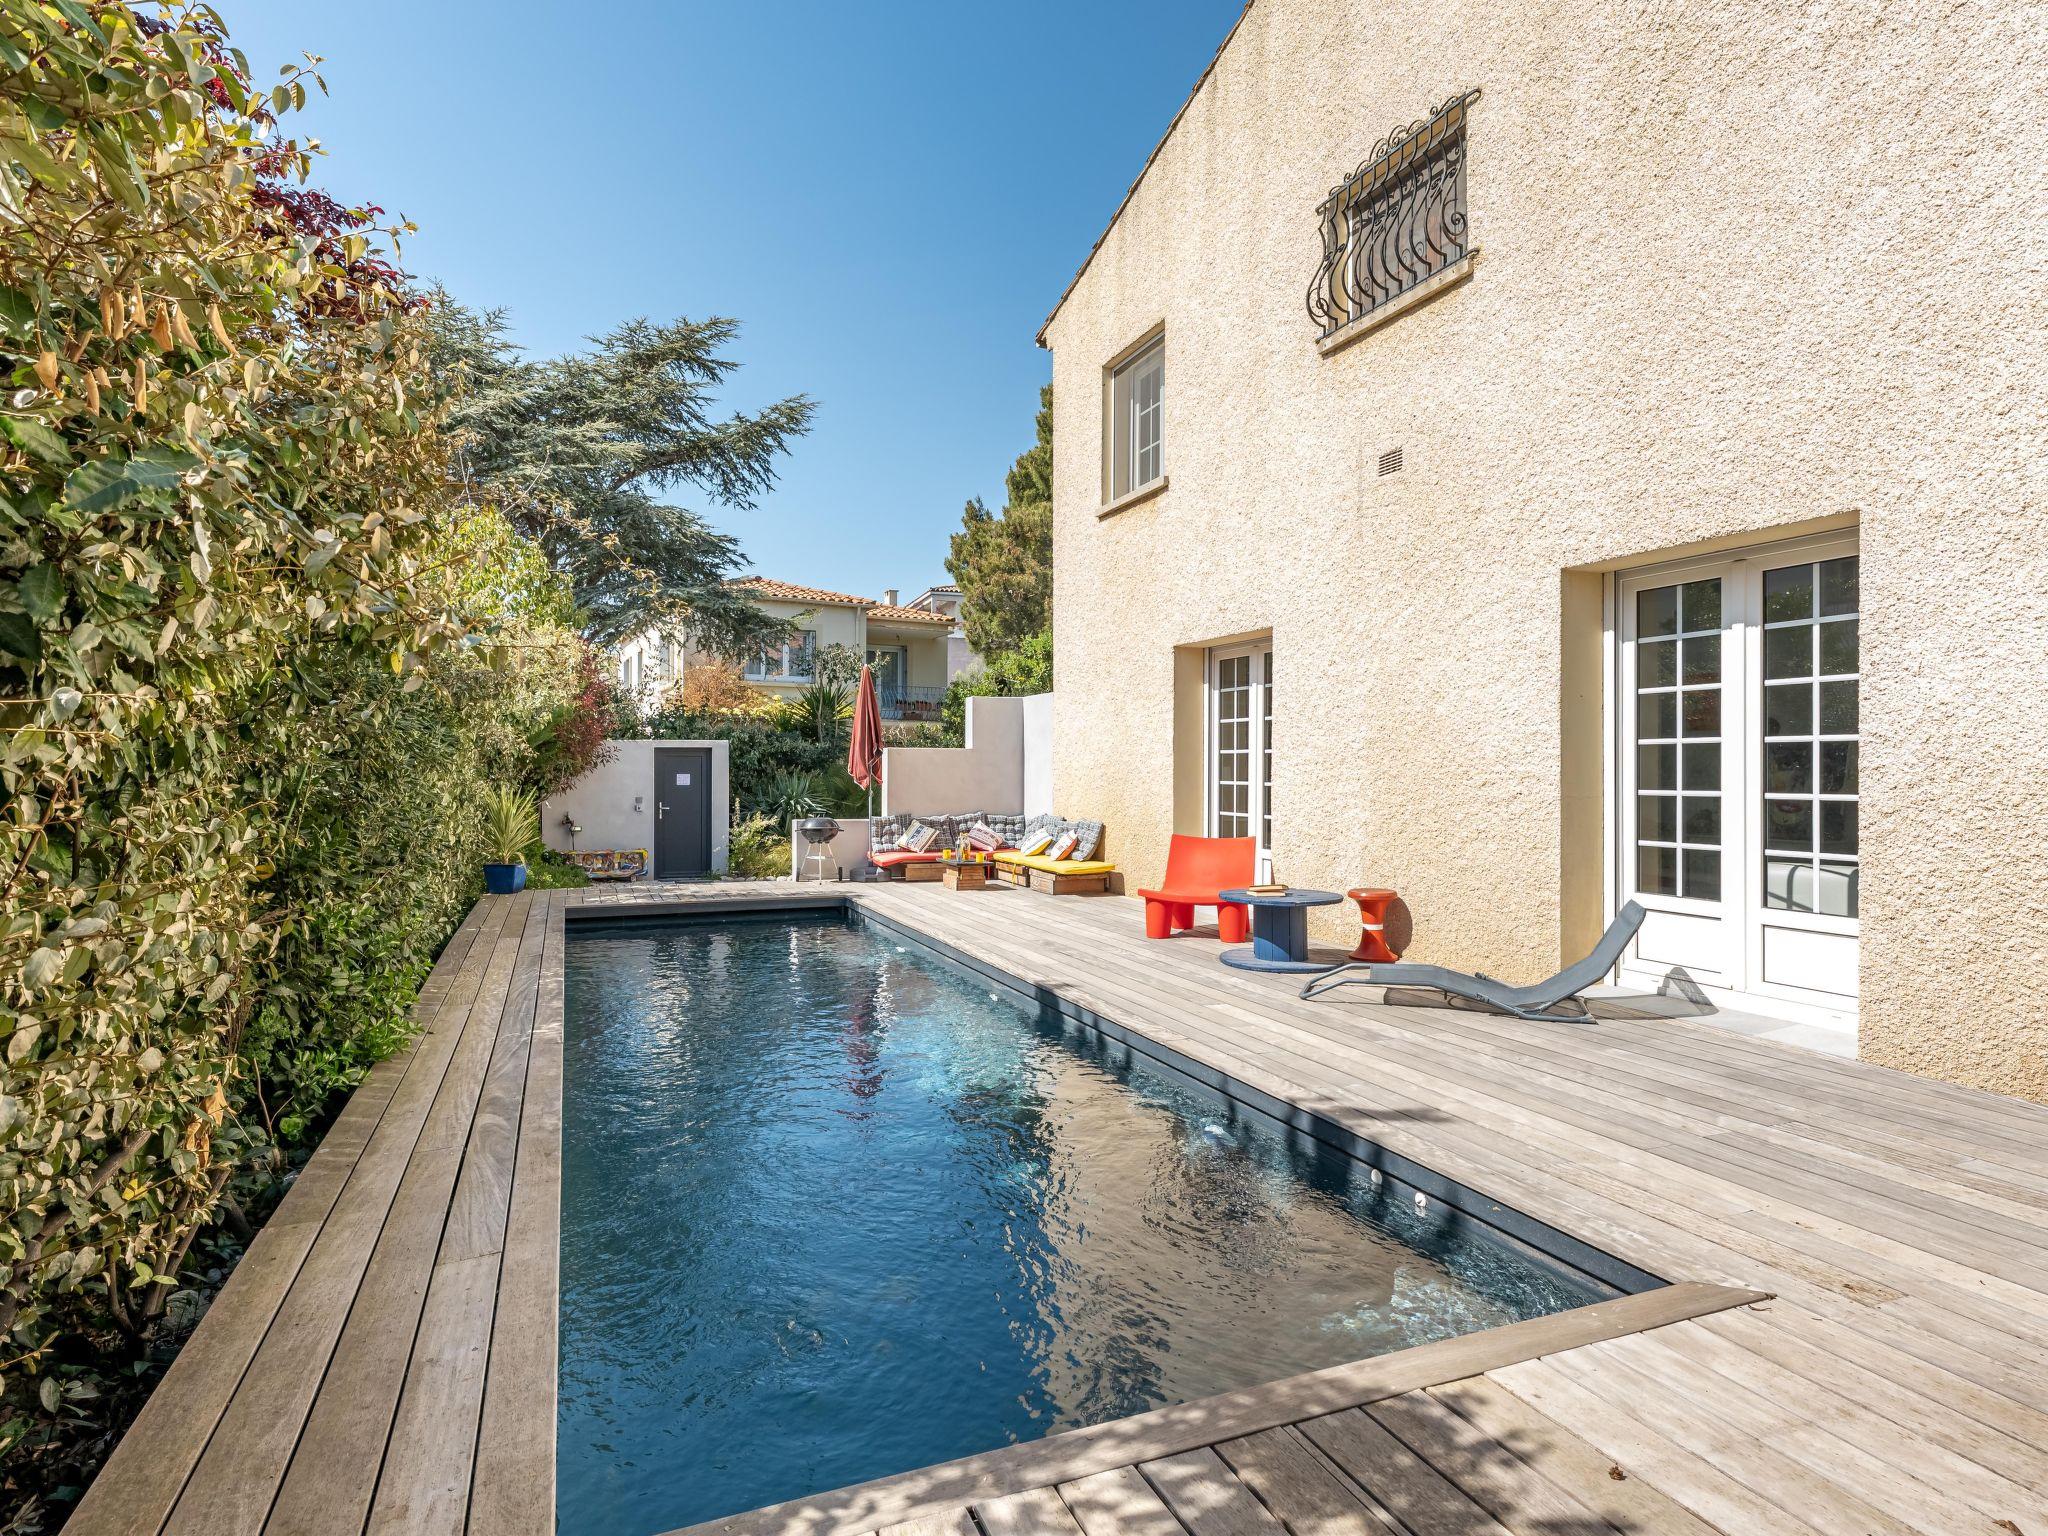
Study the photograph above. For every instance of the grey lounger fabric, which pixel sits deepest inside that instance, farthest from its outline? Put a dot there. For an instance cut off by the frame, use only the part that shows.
(1533, 1002)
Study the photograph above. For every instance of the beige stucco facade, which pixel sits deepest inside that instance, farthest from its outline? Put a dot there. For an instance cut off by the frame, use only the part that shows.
(1744, 272)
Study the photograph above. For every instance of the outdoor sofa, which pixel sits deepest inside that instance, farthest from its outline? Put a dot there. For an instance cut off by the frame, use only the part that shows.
(1081, 873)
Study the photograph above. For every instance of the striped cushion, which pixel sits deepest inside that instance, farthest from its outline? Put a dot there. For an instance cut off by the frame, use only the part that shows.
(886, 832)
(1009, 828)
(1087, 838)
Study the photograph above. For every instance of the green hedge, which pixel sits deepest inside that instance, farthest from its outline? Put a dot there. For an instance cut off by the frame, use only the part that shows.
(254, 666)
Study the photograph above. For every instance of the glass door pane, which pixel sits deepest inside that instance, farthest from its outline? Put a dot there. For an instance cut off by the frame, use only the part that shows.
(1810, 737)
(1231, 786)
(1677, 713)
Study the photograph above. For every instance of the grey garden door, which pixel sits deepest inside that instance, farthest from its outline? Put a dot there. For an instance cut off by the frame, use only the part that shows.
(682, 812)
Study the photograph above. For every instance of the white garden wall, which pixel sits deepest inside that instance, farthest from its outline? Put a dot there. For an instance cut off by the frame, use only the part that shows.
(614, 802)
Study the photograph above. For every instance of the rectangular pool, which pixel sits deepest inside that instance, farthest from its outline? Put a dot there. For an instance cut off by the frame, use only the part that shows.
(834, 1208)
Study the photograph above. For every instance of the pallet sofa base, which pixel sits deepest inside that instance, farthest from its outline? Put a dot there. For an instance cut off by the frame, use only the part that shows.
(1057, 885)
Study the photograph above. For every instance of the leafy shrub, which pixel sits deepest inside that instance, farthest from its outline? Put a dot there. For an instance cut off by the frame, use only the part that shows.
(1026, 670)
(713, 687)
(759, 849)
(549, 871)
(253, 661)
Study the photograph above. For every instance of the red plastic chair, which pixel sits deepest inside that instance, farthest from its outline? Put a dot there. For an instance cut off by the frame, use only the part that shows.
(1198, 869)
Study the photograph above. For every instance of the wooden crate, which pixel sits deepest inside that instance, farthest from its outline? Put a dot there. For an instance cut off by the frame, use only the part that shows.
(966, 877)
(1068, 885)
(922, 872)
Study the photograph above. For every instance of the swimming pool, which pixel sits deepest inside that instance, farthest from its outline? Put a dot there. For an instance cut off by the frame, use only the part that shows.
(833, 1208)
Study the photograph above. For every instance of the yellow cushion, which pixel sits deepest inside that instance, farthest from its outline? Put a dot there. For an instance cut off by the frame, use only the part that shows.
(1055, 866)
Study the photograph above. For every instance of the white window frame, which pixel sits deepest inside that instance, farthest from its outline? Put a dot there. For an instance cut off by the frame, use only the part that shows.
(1741, 905)
(1137, 421)
(1258, 784)
(756, 670)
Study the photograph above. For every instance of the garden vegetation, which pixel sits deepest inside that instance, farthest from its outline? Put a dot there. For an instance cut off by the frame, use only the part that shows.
(292, 570)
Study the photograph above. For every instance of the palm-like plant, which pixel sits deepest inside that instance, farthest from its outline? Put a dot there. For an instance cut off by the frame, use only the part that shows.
(791, 796)
(820, 712)
(511, 824)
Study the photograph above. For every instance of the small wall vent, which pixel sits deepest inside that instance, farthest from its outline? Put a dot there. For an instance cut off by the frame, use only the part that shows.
(1390, 462)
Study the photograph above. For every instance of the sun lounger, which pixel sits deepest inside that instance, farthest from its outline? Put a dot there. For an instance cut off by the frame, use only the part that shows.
(1532, 1002)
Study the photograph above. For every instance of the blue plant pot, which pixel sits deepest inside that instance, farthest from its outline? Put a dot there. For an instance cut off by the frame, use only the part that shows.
(504, 879)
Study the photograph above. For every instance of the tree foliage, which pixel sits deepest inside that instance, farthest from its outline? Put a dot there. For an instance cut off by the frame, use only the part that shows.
(1027, 669)
(1003, 562)
(576, 451)
(255, 660)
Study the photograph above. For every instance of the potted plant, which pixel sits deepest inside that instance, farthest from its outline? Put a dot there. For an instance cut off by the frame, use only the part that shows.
(511, 827)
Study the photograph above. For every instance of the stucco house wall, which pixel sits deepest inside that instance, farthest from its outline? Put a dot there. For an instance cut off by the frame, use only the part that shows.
(1724, 292)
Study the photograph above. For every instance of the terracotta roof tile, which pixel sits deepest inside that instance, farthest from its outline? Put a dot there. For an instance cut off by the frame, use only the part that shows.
(906, 615)
(790, 592)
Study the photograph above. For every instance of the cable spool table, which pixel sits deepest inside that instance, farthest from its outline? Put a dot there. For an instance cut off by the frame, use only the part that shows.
(1279, 930)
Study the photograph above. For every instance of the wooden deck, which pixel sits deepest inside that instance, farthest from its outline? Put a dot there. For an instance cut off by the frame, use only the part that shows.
(384, 1358)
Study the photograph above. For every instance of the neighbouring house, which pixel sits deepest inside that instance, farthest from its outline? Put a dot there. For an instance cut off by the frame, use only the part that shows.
(1611, 484)
(647, 665)
(909, 647)
(960, 656)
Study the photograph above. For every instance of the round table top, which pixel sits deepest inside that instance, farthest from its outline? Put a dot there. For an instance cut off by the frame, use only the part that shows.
(1294, 896)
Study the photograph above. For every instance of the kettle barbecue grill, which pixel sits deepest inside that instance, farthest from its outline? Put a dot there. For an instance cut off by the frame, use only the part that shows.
(817, 833)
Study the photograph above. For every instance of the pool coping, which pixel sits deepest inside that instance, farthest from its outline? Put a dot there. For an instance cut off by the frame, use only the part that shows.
(1167, 1431)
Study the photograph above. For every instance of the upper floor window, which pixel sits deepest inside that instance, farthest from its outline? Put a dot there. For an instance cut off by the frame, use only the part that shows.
(1394, 223)
(1137, 409)
(789, 662)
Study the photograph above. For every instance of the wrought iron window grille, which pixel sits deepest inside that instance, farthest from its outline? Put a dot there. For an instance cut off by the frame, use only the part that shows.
(1394, 223)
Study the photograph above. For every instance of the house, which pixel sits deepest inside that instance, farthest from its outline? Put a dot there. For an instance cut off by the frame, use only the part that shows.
(946, 601)
(1609, 484)
(909, 647)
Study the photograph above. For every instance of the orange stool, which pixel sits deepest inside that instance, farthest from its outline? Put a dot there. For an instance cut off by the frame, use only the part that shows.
(1372, 917)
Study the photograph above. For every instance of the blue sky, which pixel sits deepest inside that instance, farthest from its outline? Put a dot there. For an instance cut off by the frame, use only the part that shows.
(890, 197)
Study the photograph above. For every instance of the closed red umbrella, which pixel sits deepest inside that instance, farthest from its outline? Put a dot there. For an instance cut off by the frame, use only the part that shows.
(864, 749)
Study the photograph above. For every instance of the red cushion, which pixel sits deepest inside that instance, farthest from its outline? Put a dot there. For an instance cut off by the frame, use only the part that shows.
(895, 856)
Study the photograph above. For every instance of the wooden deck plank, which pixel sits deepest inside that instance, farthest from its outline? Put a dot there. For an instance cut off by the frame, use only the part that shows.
(1626, 1502)
(1838, 1437)
(1420, 1496)
(513, 1490)
(1624, 1434)
(389, 1356)
(954, 1523)
(1308, 1496)
(1035, 1512)
(332, 1461)
(1119, 1503)
(1488, 1471)
(1990, 1429)
(1752, 1449)
(1206, 1497)
(425, 1483)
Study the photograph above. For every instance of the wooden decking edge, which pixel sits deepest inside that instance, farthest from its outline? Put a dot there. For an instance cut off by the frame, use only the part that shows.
(864, 1507)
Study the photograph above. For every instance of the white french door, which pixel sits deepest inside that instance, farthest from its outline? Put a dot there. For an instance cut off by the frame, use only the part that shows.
(1736, 772)
(1240, 746)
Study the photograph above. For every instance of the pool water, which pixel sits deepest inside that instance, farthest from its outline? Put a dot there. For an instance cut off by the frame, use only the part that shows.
(832, 1210)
